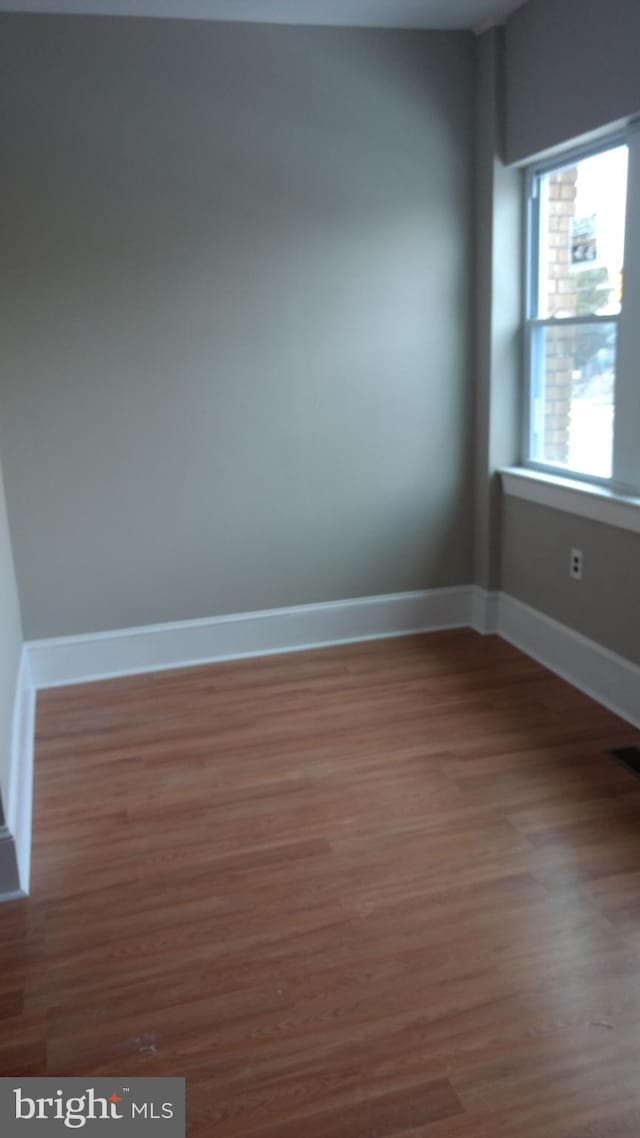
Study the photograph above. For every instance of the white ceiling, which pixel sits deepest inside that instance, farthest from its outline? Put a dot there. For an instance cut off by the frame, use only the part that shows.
(475, 14)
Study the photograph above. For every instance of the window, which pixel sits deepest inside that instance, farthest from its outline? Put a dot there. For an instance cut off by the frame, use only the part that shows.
(578, 385)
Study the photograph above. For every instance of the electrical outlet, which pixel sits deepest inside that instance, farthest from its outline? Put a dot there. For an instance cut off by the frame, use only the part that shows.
(575, 564)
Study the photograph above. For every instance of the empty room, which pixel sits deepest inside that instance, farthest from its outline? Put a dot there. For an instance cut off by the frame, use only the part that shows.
(320, 568)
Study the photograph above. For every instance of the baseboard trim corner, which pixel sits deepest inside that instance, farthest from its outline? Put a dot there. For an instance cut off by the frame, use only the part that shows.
(10, 884)
(484, 611)
(13, 895)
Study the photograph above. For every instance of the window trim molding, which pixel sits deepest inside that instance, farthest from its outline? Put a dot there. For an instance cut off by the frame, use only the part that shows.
(565, 157)
(561, 159)
(626, 460)
(589, 500)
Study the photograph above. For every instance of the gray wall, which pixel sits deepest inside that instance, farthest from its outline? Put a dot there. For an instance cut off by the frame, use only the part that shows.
(572, 68)
(10, 648)
(236, 328)
(536, 544)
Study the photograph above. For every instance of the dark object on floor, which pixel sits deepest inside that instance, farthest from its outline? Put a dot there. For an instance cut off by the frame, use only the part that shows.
(629, 757)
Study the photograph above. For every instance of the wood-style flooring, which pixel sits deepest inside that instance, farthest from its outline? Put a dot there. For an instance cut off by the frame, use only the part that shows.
(385, 889)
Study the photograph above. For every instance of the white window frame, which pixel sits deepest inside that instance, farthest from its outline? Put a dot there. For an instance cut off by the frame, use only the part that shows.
(625, 477)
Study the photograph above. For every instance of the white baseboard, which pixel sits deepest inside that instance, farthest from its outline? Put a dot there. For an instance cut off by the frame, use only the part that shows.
(77, 659)
(609, 679)
(21, 780)
(15, 847)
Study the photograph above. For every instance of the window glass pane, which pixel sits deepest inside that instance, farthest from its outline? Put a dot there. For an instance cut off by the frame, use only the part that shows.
(581, 246)
(573, 377)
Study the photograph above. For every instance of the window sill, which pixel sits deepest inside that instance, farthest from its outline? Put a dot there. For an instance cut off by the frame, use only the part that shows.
(581, 498)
